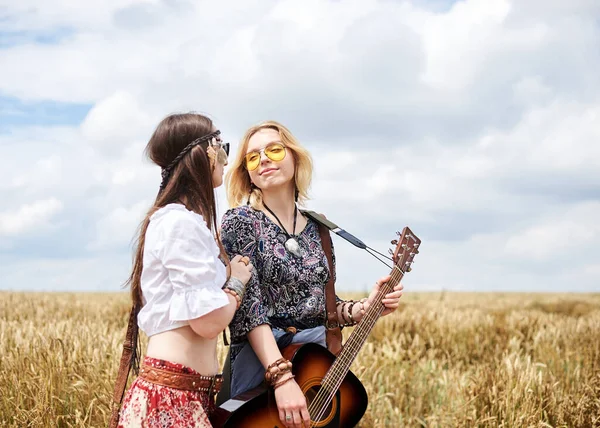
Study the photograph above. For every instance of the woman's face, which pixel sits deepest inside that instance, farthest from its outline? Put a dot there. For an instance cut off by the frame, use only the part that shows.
(217, 174)
(270, 174)
(220, 161)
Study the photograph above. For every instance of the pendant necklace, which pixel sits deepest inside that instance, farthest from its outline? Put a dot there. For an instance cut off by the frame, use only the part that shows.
(291, 244)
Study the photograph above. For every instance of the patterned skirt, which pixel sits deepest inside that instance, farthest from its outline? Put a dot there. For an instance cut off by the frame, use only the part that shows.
(149, 405)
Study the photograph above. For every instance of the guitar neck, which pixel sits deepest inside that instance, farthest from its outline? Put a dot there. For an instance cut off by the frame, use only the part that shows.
(357, 339)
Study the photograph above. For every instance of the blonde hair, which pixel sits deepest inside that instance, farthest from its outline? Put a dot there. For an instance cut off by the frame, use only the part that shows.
(239, 186)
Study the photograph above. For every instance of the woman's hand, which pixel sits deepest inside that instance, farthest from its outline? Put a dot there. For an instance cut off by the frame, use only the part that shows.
(391, 301)
(241, 268)
(291, 404)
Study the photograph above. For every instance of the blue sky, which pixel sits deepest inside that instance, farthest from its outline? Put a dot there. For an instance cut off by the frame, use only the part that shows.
(476, 123)
(18, 113)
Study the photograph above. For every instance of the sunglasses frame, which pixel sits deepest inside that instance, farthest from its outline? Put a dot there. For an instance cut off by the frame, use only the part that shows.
(263, 150)
(221, 144)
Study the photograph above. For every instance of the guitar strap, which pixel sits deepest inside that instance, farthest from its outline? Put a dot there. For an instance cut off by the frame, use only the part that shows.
(124, 367)
(334, 333)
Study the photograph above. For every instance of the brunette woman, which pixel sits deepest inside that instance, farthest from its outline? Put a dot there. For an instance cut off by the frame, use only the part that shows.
(182, 282)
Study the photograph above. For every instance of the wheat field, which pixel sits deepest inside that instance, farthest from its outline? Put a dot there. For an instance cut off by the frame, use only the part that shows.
(442, 360)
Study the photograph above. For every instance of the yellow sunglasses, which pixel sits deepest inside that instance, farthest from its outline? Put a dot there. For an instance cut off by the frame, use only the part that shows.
(274, 151)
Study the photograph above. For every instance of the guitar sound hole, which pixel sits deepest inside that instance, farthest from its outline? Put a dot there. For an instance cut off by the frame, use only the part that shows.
(317, 414)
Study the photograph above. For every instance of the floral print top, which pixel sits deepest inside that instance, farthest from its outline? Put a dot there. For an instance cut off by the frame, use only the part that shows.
(284, 290)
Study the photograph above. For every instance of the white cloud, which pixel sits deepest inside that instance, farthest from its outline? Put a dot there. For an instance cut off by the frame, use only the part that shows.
(115, 122)
(119, 226)
(563, 238)
(29, 217)
(475, 125)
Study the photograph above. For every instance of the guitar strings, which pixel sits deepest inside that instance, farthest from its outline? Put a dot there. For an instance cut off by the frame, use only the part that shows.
(338, 373)
(377, 257)
(323, 397)
(370, 317)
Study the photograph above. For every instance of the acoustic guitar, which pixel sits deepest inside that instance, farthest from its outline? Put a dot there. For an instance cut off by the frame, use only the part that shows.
(334, 395)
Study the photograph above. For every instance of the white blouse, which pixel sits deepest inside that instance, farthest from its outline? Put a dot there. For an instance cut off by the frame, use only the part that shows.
(182, 274)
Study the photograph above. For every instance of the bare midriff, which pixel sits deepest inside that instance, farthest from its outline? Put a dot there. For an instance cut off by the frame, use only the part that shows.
(184, 346)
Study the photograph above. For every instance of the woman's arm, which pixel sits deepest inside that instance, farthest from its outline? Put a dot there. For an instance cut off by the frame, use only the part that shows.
(212, 324)
(358, 308)
(289, 397)
(264, 345)
(184, 246)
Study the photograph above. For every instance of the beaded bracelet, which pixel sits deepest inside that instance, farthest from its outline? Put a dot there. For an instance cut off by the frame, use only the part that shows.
(277, 369)
(346, 322)
(350, 312)
(344, 307)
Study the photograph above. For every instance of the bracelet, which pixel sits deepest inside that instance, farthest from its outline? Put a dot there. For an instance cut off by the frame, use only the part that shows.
(236, 288)
(236, 285)
(350, 312)
(278, 384)
(277, 369)
(345, 321)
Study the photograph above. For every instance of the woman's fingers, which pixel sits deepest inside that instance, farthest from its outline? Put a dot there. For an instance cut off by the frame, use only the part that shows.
(394, 304)
(383, 279)
(282, 416)
(297, 419)
(393, 295)
(305, 416)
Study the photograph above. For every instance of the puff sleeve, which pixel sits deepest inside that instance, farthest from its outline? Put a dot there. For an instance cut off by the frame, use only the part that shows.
(186, 251)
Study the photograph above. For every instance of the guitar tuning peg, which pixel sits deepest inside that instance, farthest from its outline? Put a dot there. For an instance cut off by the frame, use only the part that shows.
(398, 233)
(390, 251)
(408, 269)
(394, 242)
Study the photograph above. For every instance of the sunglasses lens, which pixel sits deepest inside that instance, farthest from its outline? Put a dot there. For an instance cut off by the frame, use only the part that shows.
(226, 148)
(252, 161)
(275, 152)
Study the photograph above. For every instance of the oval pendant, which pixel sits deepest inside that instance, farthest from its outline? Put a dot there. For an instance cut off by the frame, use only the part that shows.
(293, 247)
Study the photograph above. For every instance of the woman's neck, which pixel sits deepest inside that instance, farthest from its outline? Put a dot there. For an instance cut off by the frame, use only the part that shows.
(281, 201)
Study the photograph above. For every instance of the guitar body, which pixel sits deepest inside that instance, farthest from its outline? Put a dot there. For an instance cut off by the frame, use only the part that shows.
(257, 408)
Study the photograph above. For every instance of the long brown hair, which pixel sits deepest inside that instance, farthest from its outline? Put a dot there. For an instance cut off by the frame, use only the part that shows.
(190, 181)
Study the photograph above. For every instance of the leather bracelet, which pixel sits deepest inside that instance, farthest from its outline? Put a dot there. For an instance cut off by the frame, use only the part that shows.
(278, 384)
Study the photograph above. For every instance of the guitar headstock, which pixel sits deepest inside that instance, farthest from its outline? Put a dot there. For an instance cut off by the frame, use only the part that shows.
(407, 247)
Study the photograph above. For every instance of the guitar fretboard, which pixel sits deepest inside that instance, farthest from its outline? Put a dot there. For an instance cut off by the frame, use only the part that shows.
(338, 370)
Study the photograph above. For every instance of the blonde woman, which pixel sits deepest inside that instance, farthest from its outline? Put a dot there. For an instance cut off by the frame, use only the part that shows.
(179, 283)
(284, 301)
